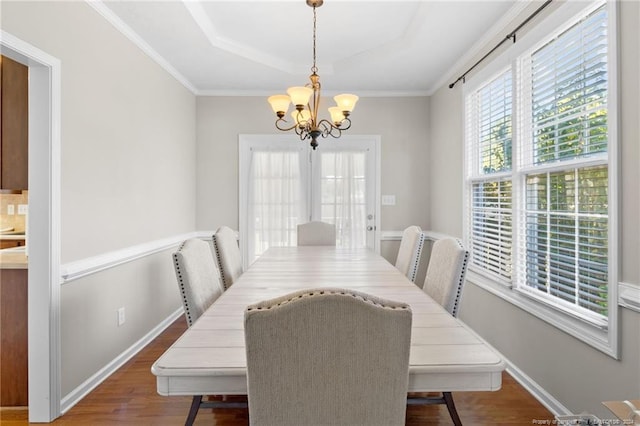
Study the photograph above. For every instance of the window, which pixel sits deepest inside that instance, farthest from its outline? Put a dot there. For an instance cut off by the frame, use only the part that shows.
(489, 122)
(539, 137)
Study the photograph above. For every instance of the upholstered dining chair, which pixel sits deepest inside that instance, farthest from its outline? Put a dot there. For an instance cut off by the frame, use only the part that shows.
(228, 255)
(198, 277)
(327, 357)
(408, 259)
(445, 274)
(200, 286)
(444, 282)
(316, 234)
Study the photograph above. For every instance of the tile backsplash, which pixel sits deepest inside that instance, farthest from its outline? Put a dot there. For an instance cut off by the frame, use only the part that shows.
(15, 220)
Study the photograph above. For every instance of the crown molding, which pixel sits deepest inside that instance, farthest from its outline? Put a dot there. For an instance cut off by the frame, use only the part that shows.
(361, 94)
(128, 32)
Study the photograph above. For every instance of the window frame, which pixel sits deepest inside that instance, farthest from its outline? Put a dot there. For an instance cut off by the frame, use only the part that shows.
(601, 335)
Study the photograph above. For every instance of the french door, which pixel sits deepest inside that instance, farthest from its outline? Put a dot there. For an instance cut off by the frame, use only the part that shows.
(284, 183)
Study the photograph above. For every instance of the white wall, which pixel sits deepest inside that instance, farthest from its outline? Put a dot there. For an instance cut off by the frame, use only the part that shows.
(401, 122)
(128, 177)
(577, 375)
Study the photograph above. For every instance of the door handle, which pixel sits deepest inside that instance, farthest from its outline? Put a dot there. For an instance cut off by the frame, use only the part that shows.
(370, 228)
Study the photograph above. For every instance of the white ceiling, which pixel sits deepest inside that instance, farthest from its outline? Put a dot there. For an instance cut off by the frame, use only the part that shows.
(262, 47)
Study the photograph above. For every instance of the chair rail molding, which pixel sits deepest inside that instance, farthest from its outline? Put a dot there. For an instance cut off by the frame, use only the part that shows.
(83, 267)
(629, 296)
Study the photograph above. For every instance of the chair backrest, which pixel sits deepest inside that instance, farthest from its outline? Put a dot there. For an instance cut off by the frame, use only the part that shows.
(327, 357)
(228, 255)
(198, 277)
(408, 259)
(316, 234)
(445, 273)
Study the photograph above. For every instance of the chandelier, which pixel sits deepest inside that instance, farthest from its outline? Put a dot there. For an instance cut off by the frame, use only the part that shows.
(306, 100)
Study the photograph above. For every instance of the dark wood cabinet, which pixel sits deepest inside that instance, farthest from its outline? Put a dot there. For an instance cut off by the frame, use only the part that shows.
(14, 124)
(13, 338)
(10, 243)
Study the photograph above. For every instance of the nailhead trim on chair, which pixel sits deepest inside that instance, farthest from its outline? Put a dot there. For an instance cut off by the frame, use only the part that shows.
(190, 319)
(219, 259)
(416, 259)
(456, 303)
(362, 296)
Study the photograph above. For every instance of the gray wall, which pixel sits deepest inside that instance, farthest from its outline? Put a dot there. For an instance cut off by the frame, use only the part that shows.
(128, 176)
(401, 122)
(577, 375)
(91, 338)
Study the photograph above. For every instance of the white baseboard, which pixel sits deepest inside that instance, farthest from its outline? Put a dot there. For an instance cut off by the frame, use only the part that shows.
(92, 382)
(538, 392)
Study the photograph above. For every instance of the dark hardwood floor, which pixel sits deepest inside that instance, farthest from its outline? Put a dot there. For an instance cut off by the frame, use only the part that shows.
(129, 397)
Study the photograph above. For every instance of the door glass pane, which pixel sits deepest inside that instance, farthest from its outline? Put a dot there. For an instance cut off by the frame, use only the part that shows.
(276, 201)
(343, 196)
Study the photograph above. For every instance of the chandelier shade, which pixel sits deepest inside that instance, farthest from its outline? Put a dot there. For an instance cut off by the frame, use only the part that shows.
(306, 100)
(280, 103)
(346, 102)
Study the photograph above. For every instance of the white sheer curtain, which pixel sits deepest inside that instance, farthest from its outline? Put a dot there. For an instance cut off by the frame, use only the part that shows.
(276, 200)
(343, 196)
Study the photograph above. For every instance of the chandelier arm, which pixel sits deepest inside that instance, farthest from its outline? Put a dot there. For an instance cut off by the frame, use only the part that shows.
(346, 121)
(337, 134)
(325, 127)
(284, 129)
(316, 102)
(330, 127)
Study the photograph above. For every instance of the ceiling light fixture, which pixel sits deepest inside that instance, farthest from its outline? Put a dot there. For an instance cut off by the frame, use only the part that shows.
(306, 100)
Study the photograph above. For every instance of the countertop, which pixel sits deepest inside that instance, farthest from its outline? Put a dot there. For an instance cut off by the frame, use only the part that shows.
(13, 236)
(14, 258)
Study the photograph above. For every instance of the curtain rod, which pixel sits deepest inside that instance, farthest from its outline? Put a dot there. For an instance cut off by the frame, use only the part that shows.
(510, 36)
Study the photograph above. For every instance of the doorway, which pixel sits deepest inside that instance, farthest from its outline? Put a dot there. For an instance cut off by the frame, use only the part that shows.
(43, 237)
(283, 183)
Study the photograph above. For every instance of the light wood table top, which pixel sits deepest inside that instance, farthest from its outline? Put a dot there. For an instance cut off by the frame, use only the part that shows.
(209, 358)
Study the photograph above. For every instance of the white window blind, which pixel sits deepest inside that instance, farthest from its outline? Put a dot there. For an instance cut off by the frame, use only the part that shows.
(489, 130)
(537, 171)
(565, 82)
(565, 219)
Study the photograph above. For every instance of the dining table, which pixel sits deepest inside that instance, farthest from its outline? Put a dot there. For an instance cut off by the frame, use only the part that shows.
(209, 358)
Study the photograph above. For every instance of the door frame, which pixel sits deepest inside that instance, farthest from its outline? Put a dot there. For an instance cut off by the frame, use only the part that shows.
(43, 225)
(246, 141)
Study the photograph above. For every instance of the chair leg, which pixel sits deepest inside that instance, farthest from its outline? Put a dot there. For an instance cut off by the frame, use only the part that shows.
(195, 405)
(448, 399)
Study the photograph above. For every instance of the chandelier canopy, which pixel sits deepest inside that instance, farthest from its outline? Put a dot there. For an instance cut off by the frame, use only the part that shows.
(306, 100)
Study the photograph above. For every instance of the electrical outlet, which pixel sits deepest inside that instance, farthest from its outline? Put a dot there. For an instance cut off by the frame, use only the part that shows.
(23, 209)
(121, 317)
(11, 209)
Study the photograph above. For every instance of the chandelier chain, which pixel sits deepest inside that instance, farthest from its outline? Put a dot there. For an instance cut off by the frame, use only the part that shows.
(314, 68)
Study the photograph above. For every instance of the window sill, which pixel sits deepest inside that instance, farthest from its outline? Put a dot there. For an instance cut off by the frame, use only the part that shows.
(605, 340)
